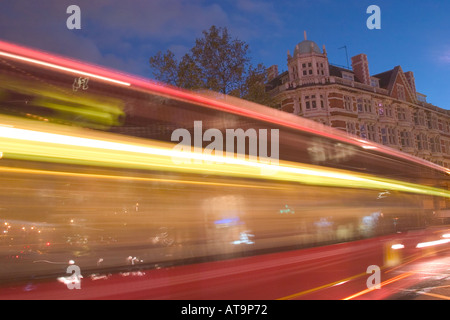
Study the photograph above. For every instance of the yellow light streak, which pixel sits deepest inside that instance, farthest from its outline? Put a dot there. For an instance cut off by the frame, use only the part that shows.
(339, 282)
(130, 178)
(435, 295)
(53, 143)
(397, 278)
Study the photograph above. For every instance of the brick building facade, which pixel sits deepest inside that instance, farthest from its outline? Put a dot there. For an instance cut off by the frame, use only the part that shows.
(384, 108)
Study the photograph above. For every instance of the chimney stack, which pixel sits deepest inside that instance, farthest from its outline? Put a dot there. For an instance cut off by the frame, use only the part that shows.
(360, 67)
(272, 72)
(412, 82)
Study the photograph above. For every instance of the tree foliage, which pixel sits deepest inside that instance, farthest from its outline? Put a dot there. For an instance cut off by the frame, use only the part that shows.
(217, 62)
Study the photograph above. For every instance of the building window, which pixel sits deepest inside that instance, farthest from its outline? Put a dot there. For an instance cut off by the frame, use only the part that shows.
(388, 136)
(374, 83)
(307, 69)
(384, 138)
(367, 106)
(368, 131)
(351, 128)
(322, 102)
(360, 105)
(348, 103)
(422, 143)
(295, 72)
(310, 102)
(405, 139)
(419, 118)
(392, 136)
(435, 144)
(348, 76)
(421, 97)
(401, 113)
(432, 122)
(443, 147)
(388, 111)
(364, 105)
(401, 92)
(371, 132)
(320, 69)
(362, 131)
(385, 111)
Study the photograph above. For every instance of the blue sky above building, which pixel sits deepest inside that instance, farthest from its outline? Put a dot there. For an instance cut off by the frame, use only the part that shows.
(124, 34)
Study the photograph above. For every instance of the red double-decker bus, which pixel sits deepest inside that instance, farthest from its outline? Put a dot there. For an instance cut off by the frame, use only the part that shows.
(93, 185)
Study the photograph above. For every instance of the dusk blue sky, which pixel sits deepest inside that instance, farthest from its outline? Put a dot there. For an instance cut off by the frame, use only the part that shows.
(415, 34)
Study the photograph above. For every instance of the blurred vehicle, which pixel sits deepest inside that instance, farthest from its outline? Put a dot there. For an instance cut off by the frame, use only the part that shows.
(88, 176)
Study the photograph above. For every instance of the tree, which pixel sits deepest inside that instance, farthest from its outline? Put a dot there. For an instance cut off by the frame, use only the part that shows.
(216, 62)
(255, 86)
(165, 67)
(222, 61)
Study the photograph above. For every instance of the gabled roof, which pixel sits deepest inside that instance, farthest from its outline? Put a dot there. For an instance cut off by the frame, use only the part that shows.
(389, 78)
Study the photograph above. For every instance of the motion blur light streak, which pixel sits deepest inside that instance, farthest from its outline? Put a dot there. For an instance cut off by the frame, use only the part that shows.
(206, 100)
(333, 284)
(435, 295)
(54, 66)
(56, 147)
(384, 283)
(432, 243)
(131, 178)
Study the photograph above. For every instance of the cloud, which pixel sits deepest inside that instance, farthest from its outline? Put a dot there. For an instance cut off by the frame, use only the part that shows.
(265, 10)
(445, 56)
(115, 33)
(124, 34)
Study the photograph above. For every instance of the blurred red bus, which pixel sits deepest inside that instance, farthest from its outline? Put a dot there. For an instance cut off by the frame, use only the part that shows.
(92, 177)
